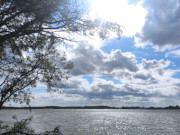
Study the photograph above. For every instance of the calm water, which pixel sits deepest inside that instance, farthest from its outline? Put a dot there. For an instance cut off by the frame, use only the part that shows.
(101, 122)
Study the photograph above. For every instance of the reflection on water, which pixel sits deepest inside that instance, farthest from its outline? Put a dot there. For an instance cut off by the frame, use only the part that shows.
(101, 121)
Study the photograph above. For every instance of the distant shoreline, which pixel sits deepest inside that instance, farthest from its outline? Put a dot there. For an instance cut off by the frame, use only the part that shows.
(94, 107)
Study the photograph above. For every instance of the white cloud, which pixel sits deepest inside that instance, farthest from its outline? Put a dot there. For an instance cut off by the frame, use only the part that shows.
(90, 61)
(148, 78)
(154, 81)
(161, 29)
(131, 17)
(140, 82)
(174, 53)
(55, 99)
(154, 64)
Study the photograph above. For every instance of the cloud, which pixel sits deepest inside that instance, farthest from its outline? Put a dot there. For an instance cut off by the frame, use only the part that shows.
(45, 99)
(155, 78)
(142, 76)
(119, 60)
(131, 17)
(152, 76)
(148, 81)
(161, 28)
(103, 89)
(174, 54)
(154, 64)
(149, 78)
(55, 99)
(141, 83)
(89, 60)
(144, 87)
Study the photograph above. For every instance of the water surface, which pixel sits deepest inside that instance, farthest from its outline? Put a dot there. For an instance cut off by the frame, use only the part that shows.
(101, 121)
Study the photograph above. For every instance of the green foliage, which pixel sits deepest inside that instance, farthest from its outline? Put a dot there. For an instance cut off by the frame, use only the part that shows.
(24, 69)
(56, 131)
(3, 126)
(21, 128)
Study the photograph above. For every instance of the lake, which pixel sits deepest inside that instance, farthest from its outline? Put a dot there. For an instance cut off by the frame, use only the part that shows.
(101, 121)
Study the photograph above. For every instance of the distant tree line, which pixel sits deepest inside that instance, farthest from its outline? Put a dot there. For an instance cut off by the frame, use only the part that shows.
(92, 107)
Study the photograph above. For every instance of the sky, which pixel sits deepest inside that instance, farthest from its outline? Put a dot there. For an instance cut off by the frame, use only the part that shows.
(140, 69)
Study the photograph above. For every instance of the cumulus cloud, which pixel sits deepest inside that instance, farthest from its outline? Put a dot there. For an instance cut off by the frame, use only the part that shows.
(140, 82)
(104, 89)
(89, 60)
(161, 28)
(142, 76)
(143, 87)
(154, 78)
(154, 64)
(149, 78)
(148, 81)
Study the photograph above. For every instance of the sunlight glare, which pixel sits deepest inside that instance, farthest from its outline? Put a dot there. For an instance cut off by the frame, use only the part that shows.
(131, 17)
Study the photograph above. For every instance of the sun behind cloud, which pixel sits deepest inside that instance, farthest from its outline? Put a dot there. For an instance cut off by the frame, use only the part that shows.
(131, 17)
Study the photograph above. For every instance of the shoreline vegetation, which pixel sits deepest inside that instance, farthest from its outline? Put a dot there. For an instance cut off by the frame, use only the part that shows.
(21, 127)
(94, 107)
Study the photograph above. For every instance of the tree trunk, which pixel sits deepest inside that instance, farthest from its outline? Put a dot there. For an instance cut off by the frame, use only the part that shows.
(1, 105)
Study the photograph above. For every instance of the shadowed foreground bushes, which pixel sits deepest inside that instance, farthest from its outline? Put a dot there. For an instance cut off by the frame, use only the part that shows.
(21, 128)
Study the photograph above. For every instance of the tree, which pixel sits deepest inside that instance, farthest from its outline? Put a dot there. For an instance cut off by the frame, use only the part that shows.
(21, 128)
(28, 33)
(43, 64)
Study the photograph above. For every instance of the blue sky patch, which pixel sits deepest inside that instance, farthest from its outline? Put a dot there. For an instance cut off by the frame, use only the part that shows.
(115, 81)
(133, 2)
(177, 75)
(89, 78)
